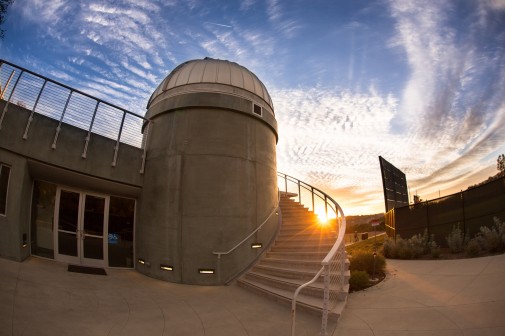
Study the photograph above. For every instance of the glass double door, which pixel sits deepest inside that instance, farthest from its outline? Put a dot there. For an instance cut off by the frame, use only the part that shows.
(81, 227)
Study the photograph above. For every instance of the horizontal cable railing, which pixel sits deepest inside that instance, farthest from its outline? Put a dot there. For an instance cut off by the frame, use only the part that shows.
(333, 265)
(58, 101)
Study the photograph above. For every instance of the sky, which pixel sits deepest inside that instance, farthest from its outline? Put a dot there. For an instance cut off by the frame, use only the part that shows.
(418, 82)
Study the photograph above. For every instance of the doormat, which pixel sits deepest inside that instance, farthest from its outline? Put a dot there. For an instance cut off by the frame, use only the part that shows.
(86, 270)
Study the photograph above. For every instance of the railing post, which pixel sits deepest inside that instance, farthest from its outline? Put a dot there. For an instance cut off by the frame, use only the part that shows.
(326, 206)
(2, 91)
(285, 183)
(30, 119)
(313, 202)
(326, 299)
(88, 136)
(144, 153)
(10, 97)
(58, 128)
(116, 148)
(299, 193)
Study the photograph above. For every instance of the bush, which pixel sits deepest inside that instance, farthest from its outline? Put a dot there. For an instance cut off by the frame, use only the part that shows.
(472, 249)
(358, 280)
(493, 238)
(434, 249)
(455, 240)
(364, 261)
(403, 250)
(390, 248)
(412, 248)
(419, 244)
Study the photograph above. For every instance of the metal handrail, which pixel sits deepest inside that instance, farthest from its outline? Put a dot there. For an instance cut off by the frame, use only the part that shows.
(219, 254)
(329, 202)
(57, 105)
(2, 61)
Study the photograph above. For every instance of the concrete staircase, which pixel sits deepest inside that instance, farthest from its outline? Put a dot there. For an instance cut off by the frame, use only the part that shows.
(294, 259)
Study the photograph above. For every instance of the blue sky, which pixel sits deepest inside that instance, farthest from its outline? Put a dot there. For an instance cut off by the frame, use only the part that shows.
(421, 83)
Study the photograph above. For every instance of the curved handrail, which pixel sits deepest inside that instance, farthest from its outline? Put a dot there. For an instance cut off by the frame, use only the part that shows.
(328, 202)
(315, 192)
(219, 254)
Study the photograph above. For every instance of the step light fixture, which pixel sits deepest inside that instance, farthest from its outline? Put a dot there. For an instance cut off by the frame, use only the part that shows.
(166, 267)
(256, 245)
(206, 271)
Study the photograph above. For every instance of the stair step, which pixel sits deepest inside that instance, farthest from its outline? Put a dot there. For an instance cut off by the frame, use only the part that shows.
(297, 255)
(304, 302)
(303, 248)
(295, 258)
(315, 289)
(290, 274)
(313, 265)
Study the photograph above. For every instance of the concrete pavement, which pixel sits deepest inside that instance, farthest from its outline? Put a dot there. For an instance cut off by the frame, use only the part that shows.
(39, 297)
(444, 297)
(431, 297)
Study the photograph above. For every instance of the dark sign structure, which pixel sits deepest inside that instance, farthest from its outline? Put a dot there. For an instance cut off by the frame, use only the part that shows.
(394, 184)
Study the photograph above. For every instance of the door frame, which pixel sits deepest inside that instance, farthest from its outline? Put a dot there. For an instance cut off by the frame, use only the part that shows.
(79, 259)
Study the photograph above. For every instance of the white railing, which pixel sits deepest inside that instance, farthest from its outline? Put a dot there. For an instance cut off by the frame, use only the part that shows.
(333, 265)
(44, 96)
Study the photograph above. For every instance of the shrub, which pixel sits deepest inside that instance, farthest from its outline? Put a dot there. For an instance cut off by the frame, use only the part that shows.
(493, 238)
(414, 247)
(403, 250)
(472, 249)
(455, 240)
(434, 248)
(358, 280)
(364, 261)
(390, 248)
(418, 244)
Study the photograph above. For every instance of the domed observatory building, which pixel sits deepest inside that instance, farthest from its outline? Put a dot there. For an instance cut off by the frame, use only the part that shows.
(211, 176)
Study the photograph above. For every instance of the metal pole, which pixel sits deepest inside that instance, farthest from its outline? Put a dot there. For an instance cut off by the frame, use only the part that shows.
(10, 97)
(30, 119)
(116, 148)
(6, 85)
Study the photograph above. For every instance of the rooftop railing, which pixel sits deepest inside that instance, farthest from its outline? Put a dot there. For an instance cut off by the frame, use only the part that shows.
(58, 101)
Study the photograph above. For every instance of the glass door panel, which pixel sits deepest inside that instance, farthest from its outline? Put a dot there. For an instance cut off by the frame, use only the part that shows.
(93, 227)
(68, 223)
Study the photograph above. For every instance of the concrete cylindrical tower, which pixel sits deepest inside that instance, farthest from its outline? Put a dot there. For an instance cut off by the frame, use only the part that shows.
(211, 173)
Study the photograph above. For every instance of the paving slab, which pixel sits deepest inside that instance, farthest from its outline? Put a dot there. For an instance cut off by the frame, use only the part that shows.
(40, 297)
(431, 297)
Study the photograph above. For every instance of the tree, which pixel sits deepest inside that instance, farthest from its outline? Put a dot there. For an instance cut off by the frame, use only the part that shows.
(4, 4)
(500, 164)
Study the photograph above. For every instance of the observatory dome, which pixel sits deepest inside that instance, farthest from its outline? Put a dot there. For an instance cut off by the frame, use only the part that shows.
(213, 75)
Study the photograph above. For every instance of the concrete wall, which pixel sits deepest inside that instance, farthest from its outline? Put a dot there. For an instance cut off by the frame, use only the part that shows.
(16, 222)
(34, 158)
(213, 176)
(69, 147)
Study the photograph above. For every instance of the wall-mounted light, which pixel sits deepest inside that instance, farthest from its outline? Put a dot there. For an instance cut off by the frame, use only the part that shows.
(166, 267)
(206, 271)
(25, 240)
(141, 261)
(256, 245)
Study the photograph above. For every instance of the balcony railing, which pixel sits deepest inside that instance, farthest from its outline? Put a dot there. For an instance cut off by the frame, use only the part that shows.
(58, 101)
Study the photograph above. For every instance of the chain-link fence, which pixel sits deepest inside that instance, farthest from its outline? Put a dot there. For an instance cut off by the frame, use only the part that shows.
(469, 209)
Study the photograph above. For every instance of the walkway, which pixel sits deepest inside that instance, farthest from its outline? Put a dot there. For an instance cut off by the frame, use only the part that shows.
(446, 297)
(39, 297)
(431, 297)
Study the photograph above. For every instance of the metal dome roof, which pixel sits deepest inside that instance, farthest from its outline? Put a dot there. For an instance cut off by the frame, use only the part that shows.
(213, 71)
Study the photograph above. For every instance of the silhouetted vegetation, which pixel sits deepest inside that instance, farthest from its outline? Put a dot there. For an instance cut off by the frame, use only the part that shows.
(4, 5)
